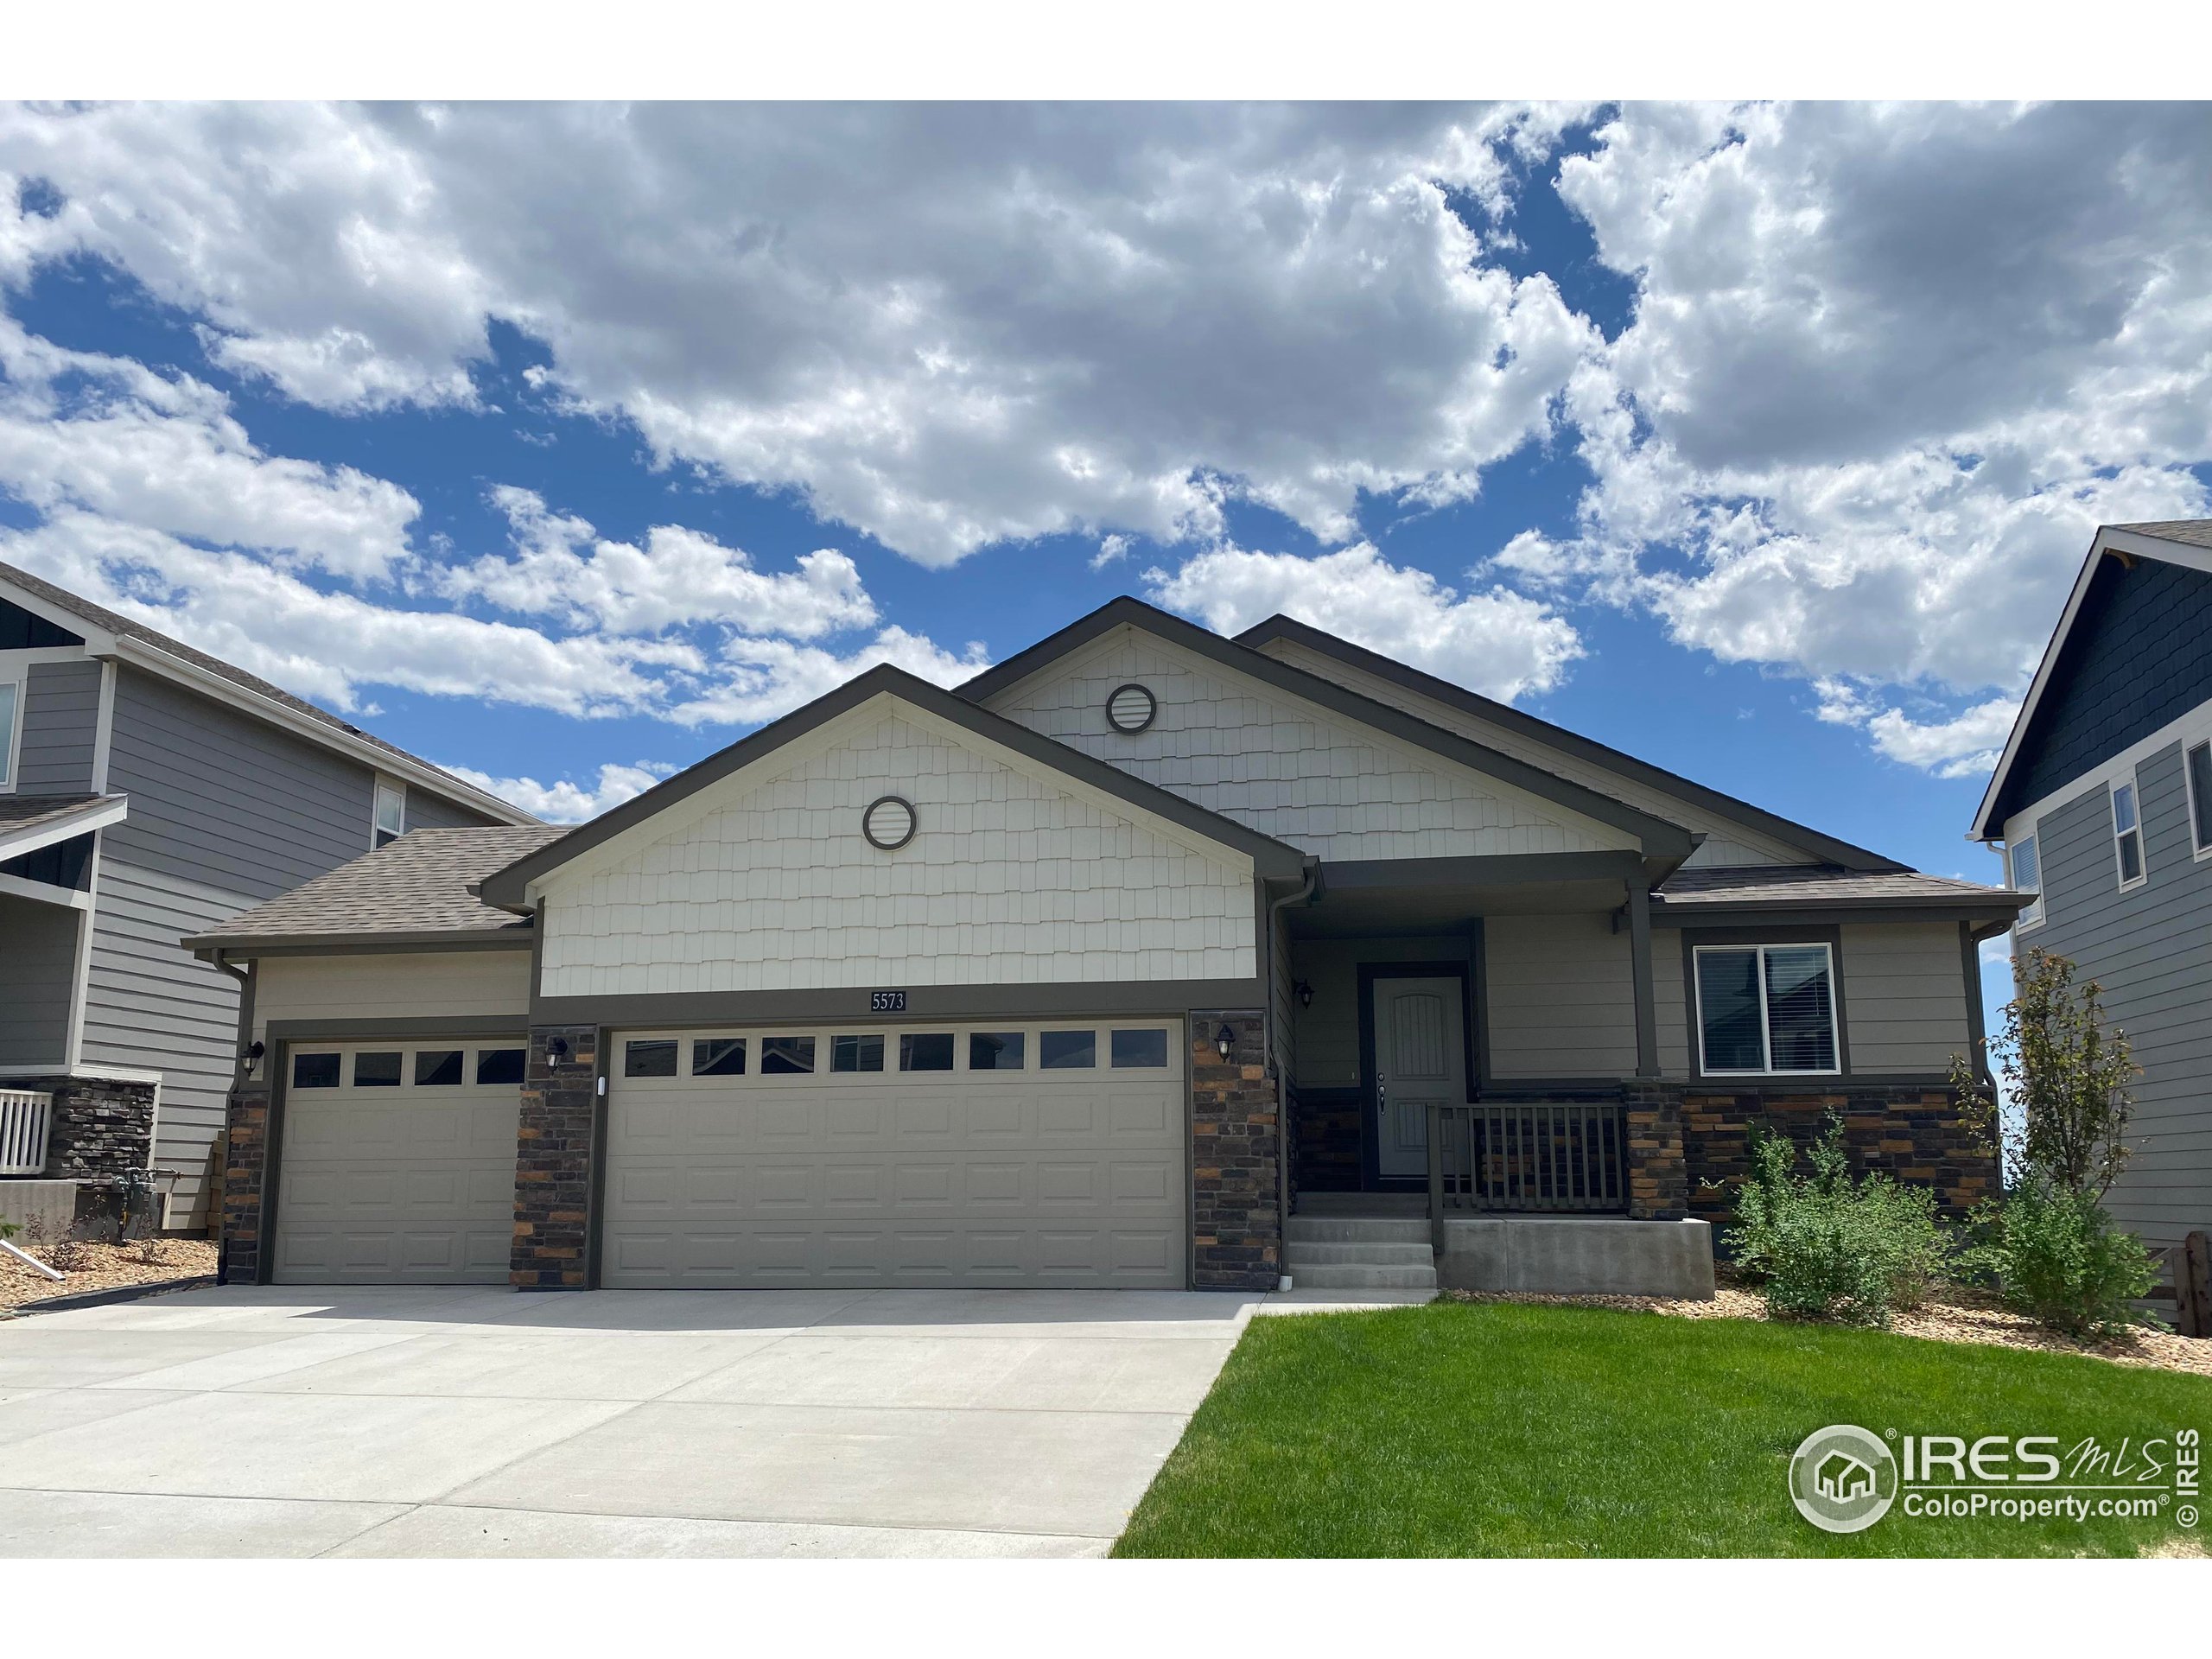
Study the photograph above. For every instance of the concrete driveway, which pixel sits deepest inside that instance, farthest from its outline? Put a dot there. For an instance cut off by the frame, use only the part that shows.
(412, 1422)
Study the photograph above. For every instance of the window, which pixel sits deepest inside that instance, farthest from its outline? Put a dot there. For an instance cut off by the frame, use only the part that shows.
(856, 1053)
(314, 1070)
(1766, 1008)
(1069, 1050)
(2198, 764)
(391, 812)
(500, 1065)
(656, 1059)
(926, 1050)
(437, 1068)
(2127, 834)
(1140, 1048)
(787, 1056)
(2025, 857)
(995, 1050)
(11, 694)
(718, 1057)
(379, 1071)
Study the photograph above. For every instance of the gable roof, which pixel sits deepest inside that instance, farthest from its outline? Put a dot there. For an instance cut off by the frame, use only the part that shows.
(2185, 542)
(414, 889)
(1830, 848)
(1270, 858)
(30, 822)
(1661, 839)
(151, 649)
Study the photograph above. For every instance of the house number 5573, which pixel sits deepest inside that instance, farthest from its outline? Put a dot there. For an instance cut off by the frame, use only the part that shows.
(887, 1002)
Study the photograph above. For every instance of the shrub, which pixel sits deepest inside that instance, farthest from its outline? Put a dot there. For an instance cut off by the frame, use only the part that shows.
(1825, 1246)
(2058, 1258)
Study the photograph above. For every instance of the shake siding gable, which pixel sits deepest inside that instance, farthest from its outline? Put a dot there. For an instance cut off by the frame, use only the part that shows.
(1285, 767)
(1013, 877)
(1727, 843)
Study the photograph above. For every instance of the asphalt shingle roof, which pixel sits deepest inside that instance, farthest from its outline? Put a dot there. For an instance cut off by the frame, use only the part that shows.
(28, 811)
(418, 884)
(1777, 884)
(2191, 532)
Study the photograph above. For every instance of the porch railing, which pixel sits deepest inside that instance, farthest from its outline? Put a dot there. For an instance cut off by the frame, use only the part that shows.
(25, 1120)
(1528, 1155)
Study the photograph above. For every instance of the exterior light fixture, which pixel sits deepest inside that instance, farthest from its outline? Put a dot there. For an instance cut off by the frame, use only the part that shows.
(557, 1047)
(1224, 1039)
(1305, 993)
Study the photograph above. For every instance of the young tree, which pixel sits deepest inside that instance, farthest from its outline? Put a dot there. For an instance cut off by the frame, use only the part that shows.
(2067, 1073)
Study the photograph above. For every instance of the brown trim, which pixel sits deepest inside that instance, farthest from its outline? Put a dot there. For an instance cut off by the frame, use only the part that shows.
(1164, 997)
(248, 947)
(1796, 913)
(1694, 1032)
(1347, 875)
(1977, 1024)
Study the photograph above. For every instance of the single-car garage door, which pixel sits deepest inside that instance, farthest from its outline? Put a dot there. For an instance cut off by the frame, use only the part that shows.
(976, 1155)
(397, 1163)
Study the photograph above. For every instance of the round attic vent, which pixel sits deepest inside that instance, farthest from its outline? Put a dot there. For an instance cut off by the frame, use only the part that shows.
(889, 823)
(1131, 709)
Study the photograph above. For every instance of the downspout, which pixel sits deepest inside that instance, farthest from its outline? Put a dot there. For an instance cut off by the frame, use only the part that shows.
(242, 1063)
(1282, 1085)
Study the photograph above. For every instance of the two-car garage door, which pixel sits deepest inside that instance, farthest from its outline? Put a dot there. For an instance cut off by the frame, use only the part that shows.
(1010, 1153)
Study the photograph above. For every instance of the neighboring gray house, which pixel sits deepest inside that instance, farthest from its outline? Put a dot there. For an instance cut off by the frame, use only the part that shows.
(147, 790)
(1146, 958)
(2103, 803)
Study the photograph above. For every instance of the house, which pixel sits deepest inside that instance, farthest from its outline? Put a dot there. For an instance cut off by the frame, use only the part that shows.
(149, 791)
(1145, 958)
(2102, 801)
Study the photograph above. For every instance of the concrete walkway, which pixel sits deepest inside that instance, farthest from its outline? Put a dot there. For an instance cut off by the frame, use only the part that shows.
(461, 1421)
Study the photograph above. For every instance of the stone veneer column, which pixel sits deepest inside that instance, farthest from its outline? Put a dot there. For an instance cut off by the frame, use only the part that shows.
(554, 1148)
(1236, 1232)
(246, 1167)
(1658, 1172)
(101, 1128)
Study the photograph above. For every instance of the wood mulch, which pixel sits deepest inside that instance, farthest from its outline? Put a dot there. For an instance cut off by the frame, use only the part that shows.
(1954, 1315)
(104, 1267)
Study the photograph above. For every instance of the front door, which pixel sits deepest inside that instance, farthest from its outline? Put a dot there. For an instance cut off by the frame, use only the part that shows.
(1420, 1058)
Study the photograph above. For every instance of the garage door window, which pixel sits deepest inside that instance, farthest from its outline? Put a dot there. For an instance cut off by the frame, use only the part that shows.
(653, 1059)
(1145, 1048)
(787, 1056)
(926, 1050)
(314, 1070)
(856, 1053)
(995, 1050)
(1067, 1051)
(379, 1070)
(711, 1057)
(437, 1068)
(498, 1066)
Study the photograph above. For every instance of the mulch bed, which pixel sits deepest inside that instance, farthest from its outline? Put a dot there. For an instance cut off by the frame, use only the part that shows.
(1955, 1314)
(104, 1267)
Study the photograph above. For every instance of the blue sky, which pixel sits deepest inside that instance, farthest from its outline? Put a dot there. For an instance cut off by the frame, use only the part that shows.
(1760, 442)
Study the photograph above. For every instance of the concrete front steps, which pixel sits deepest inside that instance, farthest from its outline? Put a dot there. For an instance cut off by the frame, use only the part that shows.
(1358, 1253)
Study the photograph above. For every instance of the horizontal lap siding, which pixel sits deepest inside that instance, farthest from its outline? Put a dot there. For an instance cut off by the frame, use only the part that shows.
(1727, 843)
(1008, 880)
(1285, 767)
(1562, 997)
(2151, 950)
(429, 987)
(428, 811)
(1905, 995)
(38, 966)
(60, 728)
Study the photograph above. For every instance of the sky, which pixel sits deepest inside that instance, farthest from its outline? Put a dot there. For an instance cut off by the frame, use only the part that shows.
(563, 445)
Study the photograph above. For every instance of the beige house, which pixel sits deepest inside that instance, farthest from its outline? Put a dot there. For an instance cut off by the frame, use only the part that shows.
(1148, 958)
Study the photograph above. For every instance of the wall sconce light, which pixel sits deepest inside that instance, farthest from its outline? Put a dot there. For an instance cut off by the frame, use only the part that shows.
(1305, 993)
(557, 1047)
(254, 1051)
(1224, 1039)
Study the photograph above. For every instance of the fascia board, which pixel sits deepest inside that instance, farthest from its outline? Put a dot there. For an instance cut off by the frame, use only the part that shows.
(93, 815)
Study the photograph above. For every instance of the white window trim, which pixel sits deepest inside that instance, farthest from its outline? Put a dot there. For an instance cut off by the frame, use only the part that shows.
(2198, 827)
(376, 797)
(2142, 842)
(2195, 727)
(12, 745)
(1766, 1034)
(2036, 914)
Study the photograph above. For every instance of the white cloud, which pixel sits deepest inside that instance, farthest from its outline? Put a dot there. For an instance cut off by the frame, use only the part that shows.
(107, 435)
(561, 567)
(946, 324)
(565, 801)
(765, 679)
(1964, 745)
(1500, 643)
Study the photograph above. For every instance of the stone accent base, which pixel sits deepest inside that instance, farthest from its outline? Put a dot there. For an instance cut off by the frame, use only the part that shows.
(554, 1148)
(1236, 1224)
(1325, 1128)
(1658, 1172)
(100, 1127)
(1917, 1135)
(246, 1167)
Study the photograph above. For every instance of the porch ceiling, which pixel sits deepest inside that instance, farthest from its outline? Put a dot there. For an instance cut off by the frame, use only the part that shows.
(1445, 906)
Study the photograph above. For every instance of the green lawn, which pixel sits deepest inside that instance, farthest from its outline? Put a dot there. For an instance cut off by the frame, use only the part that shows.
(1498, 1429)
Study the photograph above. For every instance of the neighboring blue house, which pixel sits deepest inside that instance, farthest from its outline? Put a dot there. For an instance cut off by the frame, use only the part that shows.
(147, 791)
(2103, 803)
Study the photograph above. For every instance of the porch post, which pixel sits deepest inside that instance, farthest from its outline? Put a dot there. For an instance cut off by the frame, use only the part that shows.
(1639, 945)
(1436, 1176)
